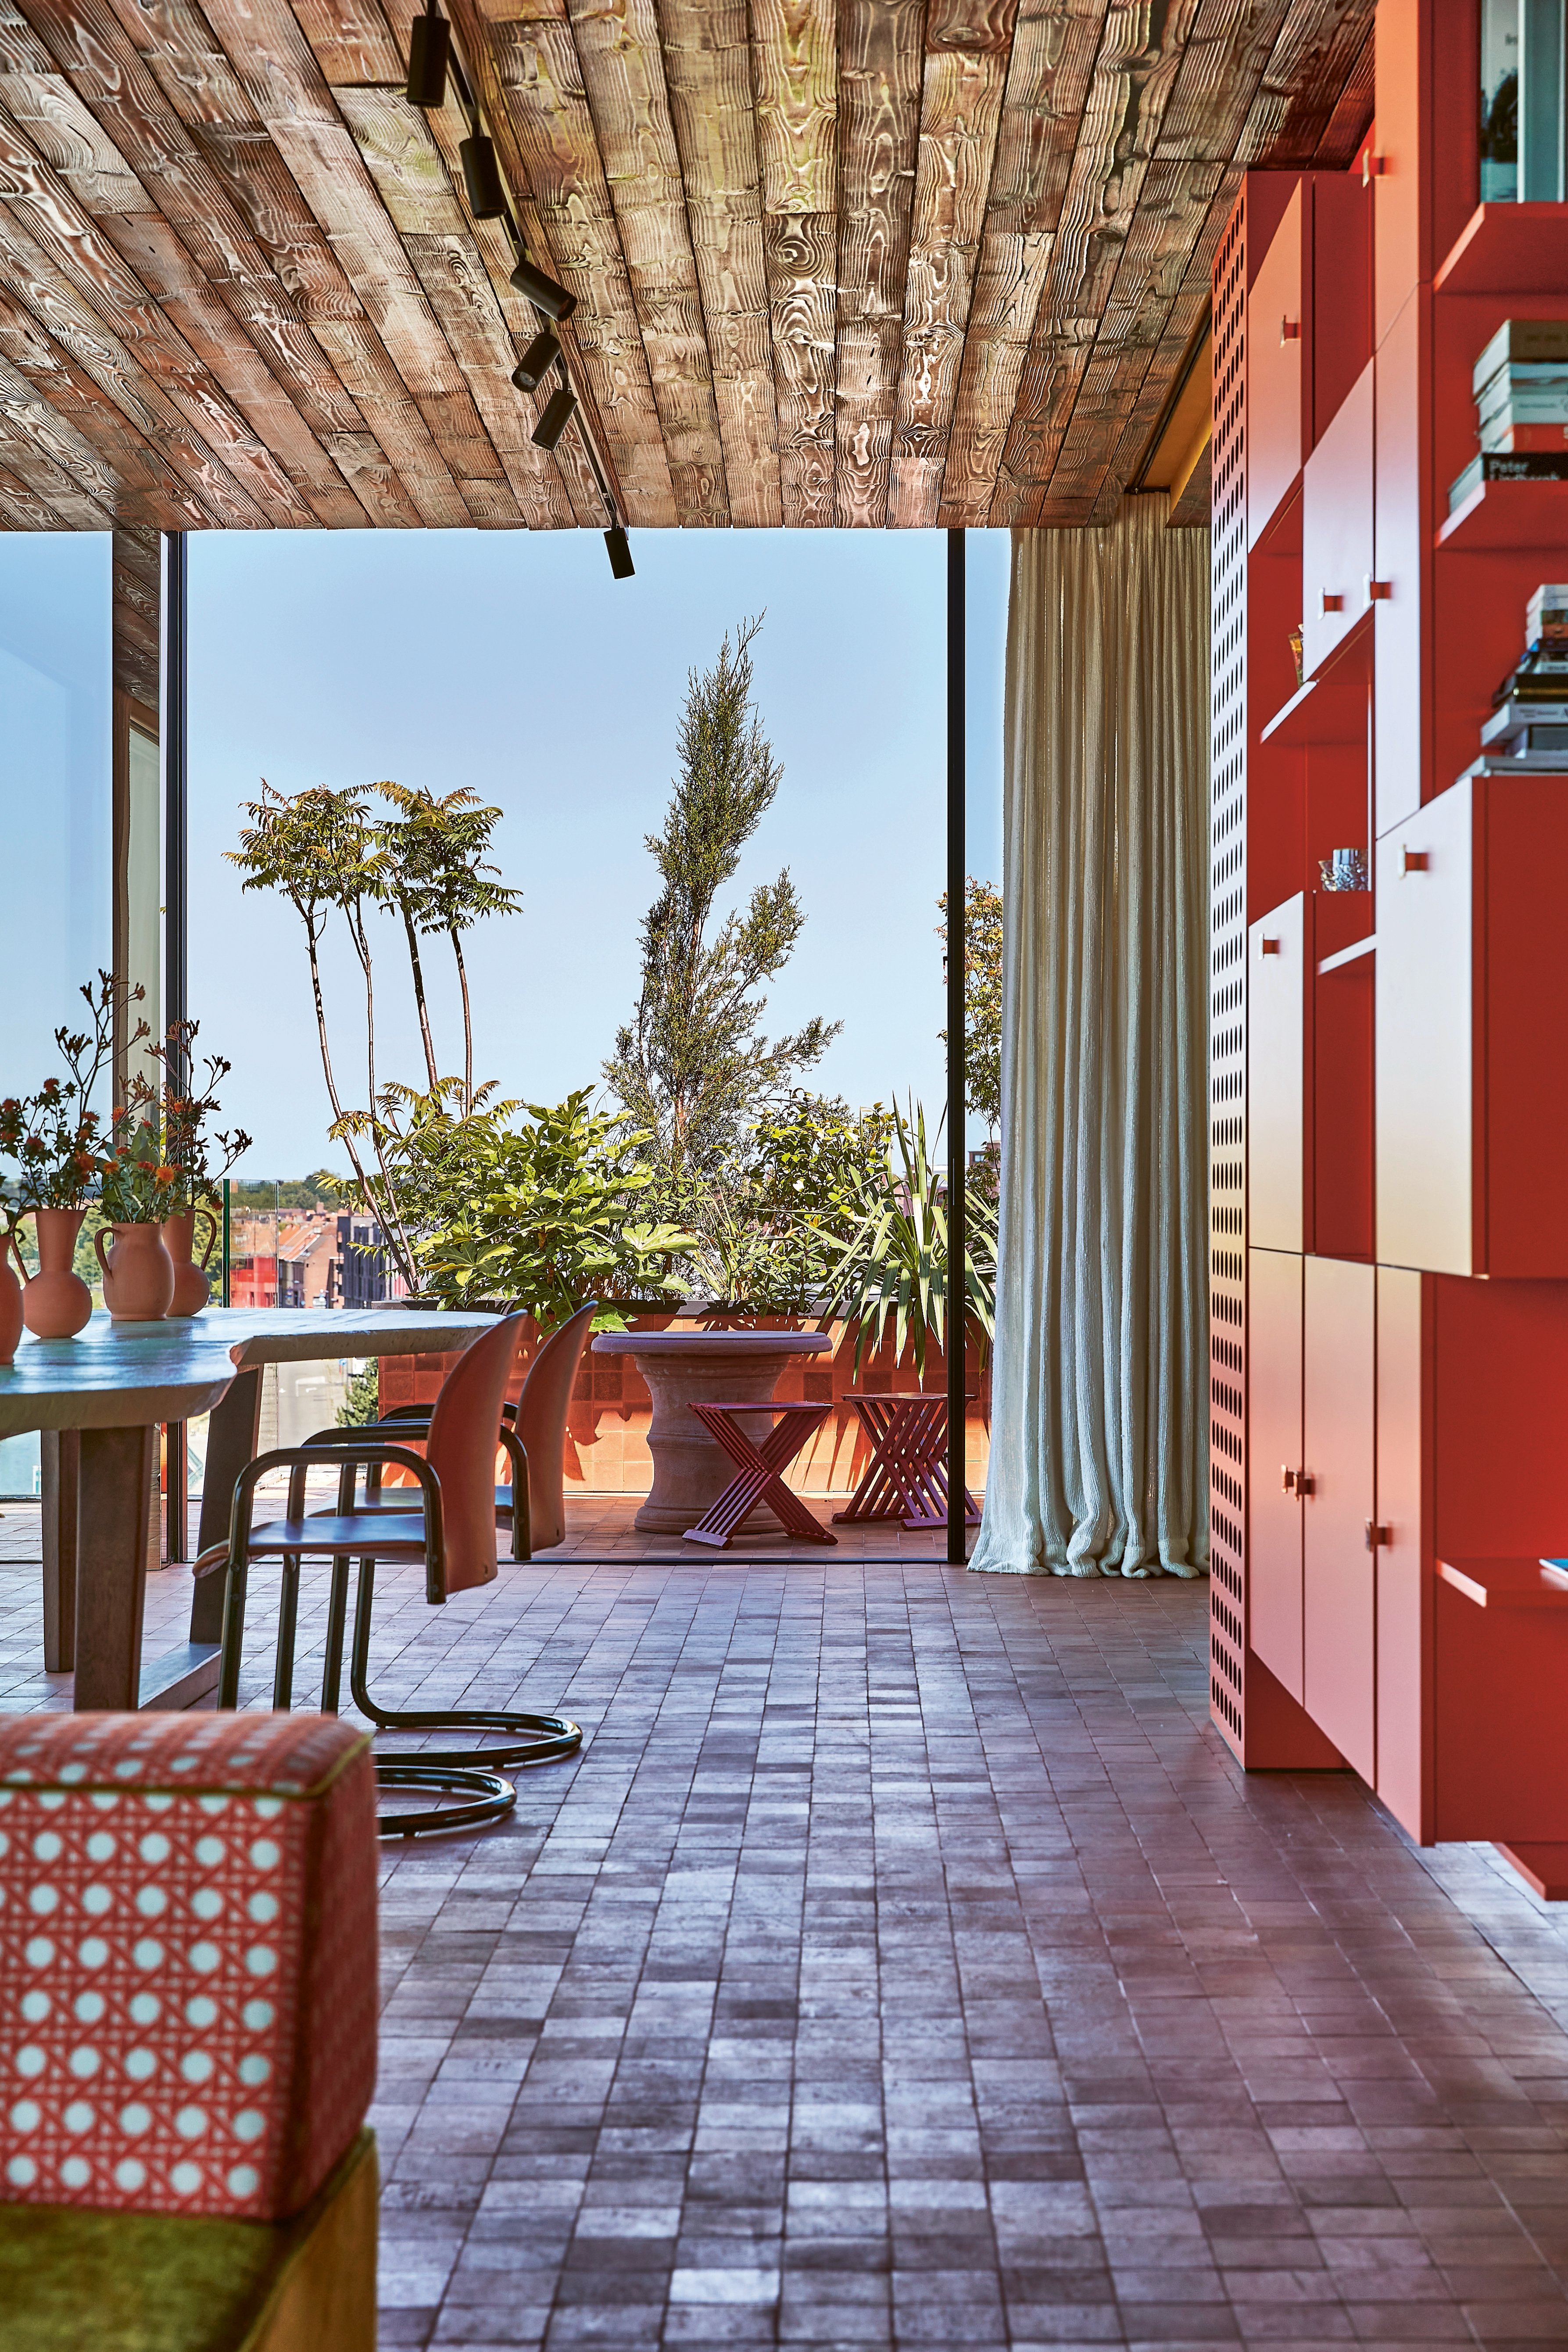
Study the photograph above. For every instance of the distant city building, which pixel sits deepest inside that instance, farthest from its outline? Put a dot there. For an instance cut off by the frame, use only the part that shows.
(310, 1257)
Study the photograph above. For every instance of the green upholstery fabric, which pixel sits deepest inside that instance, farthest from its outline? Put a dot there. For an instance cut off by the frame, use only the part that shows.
(138, 2282)
(72, 2278)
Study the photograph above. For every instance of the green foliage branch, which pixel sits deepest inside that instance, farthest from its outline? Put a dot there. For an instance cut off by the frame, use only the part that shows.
(982, 997)
(542, 1215)
(894, 1272)
(691, 1066)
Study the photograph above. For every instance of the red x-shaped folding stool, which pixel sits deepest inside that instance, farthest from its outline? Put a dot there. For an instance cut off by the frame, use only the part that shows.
(760, 1481)
(907, 1476)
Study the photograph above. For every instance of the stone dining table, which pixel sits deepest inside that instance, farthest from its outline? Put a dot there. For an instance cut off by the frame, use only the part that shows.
(98, 1400)
(687, 1368)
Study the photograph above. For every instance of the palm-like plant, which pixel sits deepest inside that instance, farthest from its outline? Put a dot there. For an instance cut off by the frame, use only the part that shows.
(894, 1270)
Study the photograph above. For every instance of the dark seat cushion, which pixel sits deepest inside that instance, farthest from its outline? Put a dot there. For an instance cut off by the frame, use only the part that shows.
(389, 1534)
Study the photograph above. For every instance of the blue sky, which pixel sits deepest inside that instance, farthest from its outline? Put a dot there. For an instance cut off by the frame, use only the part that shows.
(512, 662)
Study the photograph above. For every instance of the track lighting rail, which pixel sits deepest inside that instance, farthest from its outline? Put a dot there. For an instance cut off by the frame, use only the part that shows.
(433, 60)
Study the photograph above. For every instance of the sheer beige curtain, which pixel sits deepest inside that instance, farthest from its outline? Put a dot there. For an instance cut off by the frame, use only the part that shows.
(1099, 1436)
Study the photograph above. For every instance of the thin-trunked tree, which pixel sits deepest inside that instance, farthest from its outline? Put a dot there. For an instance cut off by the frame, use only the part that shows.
(326, 851)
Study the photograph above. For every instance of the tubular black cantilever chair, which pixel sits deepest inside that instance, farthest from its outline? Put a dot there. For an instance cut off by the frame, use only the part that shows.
(450, 1527)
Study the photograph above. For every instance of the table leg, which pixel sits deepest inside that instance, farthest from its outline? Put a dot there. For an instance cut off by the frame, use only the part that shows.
(176, 1485)
(230, 1442)
(118, 1467)
(59, 1451)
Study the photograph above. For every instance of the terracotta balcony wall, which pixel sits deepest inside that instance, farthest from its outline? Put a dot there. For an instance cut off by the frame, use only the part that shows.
(607, 1443)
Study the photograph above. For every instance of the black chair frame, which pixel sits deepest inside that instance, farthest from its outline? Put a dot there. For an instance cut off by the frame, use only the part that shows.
(531, 1740)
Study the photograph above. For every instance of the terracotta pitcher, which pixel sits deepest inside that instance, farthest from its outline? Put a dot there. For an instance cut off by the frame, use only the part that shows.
(137, 1274)
(10, 1299)
(192, 1288)
(57, 1302)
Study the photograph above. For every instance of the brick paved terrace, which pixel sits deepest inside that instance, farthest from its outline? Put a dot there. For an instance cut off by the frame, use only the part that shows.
(903, 1961)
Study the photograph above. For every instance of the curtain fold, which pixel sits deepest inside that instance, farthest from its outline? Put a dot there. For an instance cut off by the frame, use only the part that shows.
(1099, 1429)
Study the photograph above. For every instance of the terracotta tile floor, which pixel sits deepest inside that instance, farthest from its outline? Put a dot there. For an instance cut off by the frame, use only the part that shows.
(903, 1962)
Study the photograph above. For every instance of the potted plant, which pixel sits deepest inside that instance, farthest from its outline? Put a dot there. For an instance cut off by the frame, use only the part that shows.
(137, 1189)
(894, 1270)
(188, 1150)
(54, 1139)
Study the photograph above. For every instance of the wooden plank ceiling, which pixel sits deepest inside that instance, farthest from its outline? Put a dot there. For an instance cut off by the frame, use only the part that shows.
(854, 262)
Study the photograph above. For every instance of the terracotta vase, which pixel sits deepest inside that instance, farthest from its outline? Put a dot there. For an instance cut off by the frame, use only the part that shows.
(57, 1303)
(137, 1274)
(10, 1300)
(192, 1288)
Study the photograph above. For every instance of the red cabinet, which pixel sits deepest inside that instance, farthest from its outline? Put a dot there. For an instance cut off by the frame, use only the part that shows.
(1274, 1423)
(1276, 394)
(1472, 1031)
(1403, 562)
(1336, 528)
(1339, 1354)
(1403, 1553)
(1278, 1001)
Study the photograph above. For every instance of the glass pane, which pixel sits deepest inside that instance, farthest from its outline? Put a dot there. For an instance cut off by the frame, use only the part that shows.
(55, 788)
(1500, 101)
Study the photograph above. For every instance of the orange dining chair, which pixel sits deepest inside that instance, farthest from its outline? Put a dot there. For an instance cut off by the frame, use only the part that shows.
(533, 1435)
(449, 1525)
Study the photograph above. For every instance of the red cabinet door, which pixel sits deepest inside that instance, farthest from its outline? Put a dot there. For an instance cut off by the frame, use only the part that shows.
(1336, 527)
(1424, 1082)
(1522, 1036)
(1275, 340)
(1278, 994)
(1402, 705)
(1339, 1352)
(1402, 1568)
(1274, 1449)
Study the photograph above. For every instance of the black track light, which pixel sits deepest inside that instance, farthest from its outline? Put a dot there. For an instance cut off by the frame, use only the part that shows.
(536, 361)
(621, 565)
(429, 48)
(542, 291)
(482, 178)
(557, 412)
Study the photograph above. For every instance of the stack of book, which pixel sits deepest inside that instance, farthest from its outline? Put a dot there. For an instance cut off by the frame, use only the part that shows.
(1529, 725)
(1520, 385)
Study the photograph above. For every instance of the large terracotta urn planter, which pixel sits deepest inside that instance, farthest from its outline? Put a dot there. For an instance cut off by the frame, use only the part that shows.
(10, 1300)
(57, 1303)
(137, 1274)
(192, 1288)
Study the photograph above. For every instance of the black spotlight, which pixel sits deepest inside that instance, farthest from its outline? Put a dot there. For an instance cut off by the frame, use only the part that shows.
(542, 291)
(536, 361)
(621, 565)
(482, 178)
(429, 48)
(557, 412)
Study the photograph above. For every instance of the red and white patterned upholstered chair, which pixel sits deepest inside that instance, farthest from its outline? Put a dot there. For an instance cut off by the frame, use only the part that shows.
(187, 2030)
